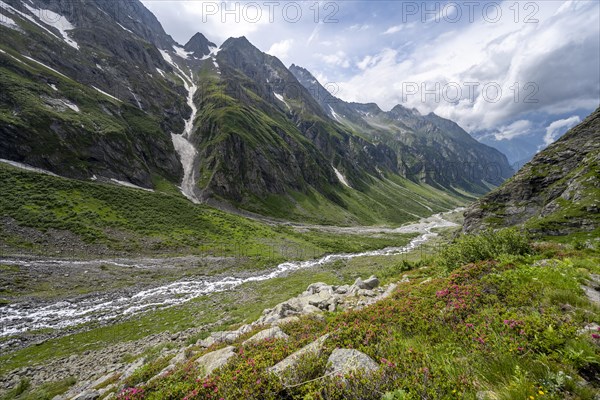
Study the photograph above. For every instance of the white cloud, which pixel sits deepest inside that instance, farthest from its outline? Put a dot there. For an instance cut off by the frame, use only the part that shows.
(555, 129)
(366, 62)
(498, 54)
(397, 28)
(211, 18)
(359, 27)
(517, 128)
(339, 59)
(281, 49)
(393, 29)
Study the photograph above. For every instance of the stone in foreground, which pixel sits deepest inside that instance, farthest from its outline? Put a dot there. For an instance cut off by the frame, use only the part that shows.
(344, 361)
(271, 333)
(215, 359)
(291, 361)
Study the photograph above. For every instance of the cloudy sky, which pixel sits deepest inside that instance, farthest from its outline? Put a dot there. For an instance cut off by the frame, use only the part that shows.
(522, 72)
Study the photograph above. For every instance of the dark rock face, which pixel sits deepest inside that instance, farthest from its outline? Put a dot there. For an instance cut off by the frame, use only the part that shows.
(429, 148)
(126, 139)
(556, 193)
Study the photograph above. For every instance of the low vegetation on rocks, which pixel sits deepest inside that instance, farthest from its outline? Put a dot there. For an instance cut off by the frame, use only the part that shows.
(521, 325)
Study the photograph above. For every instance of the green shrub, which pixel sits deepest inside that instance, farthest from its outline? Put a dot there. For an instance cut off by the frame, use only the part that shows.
(487, 245)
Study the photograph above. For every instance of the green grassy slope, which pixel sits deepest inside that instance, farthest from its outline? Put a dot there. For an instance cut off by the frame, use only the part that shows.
(134, 221)
(502, 328)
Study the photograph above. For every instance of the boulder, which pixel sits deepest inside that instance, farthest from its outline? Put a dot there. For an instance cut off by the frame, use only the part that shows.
(371, 283)
(220, 337)
(341, 289)
(215, 359)
(270, 333)
(358, 283)
(318, 287)
(291, 361)
(310, 309)
(366, 293)
(344, 361)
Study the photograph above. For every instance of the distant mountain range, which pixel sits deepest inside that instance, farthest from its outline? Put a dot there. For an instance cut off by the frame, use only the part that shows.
(97, 90)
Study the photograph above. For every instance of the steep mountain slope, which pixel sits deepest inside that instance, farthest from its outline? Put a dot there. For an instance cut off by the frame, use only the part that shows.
(261, 132)
(430, 149)
(94, 100)
(97, 90)
(558, 192)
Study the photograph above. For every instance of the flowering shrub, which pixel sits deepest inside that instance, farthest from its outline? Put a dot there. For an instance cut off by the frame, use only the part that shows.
(131, 394)
(487, 326)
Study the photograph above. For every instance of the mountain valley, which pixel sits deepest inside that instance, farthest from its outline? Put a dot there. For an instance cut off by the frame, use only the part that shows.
(200, 221)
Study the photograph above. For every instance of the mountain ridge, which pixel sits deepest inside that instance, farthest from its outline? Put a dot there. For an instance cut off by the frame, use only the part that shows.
(231, 125)
(421, 141)
(556, 193)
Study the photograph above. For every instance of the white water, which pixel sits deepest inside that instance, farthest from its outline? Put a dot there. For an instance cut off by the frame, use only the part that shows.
(340, 177)
(137, 100)
(183, 146)
(18, 318)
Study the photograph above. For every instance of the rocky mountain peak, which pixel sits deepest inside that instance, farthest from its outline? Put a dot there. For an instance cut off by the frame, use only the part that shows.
(238, 42)
(199, 45)
(404, 112)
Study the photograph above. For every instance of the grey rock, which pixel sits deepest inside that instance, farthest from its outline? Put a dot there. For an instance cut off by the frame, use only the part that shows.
(344, 361)
(87, 395)
(289, 362)
(270, 333)
(310, 309)
(215, 359)
(342, 289)
(359, 284)
(371, 283)
(286, 320)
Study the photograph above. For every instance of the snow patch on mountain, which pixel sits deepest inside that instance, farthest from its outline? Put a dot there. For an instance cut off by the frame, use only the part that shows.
(129, 185)
(280, 98)
(125, 29)
(181, 52)
(106, 94)
(334, 114)
(45, 66)
(28, 17)
(8, 22)
(340, 177)
(56, 21)
(183, 146)
(26, 167)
